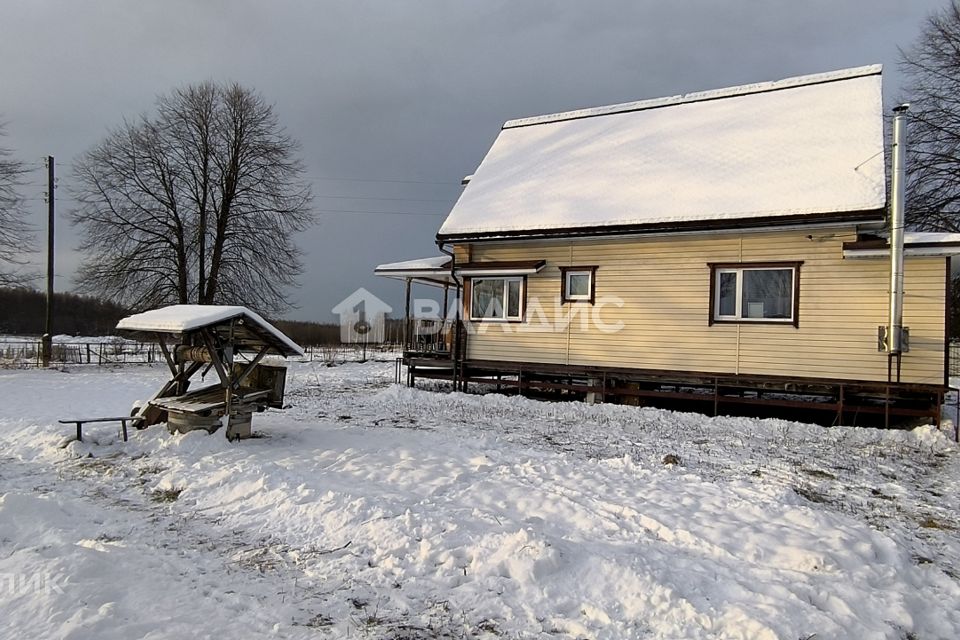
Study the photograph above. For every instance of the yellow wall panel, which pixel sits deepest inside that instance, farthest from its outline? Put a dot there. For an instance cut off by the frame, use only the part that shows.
(656, 289)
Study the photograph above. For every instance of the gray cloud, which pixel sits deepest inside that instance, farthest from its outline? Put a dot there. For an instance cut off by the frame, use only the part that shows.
(408, 91)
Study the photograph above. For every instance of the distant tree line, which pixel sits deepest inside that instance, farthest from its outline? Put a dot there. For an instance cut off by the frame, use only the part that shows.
(309, 333)
(22, 312)
(316, 334)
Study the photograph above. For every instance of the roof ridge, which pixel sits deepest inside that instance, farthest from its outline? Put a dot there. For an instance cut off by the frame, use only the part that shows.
(699, 96)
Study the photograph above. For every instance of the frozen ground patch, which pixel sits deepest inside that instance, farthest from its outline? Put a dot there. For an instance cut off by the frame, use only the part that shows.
(370, 510)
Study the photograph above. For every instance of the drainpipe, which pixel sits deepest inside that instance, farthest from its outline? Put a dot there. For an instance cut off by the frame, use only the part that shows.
(897, 199)
(456, 318)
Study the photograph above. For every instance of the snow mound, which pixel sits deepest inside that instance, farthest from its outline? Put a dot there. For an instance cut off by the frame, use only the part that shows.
(381, 511)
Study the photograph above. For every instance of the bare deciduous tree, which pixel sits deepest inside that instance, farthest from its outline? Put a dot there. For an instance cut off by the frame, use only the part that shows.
(15, 234)
(932, 67)
(194, 204)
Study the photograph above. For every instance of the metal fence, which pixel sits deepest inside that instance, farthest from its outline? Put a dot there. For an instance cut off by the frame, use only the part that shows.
(26, 353)
(338, 353)
(21, 354)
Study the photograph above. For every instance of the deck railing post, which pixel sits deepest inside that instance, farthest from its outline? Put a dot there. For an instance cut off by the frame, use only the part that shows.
(956, 417)
(840, 411)
(406, 318)
(716, 397)
(886, 409)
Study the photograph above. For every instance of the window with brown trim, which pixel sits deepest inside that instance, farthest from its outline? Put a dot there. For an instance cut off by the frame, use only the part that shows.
(755, 292)
(578, 284)
(498, 299)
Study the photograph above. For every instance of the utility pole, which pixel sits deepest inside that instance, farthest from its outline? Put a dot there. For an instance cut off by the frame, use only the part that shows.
(47, 341)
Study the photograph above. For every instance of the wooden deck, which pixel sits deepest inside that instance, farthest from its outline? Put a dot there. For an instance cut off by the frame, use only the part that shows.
(827, 401)
(435, 366)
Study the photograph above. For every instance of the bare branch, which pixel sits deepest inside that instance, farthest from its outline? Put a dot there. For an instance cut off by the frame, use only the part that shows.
(932, 67)
(16, 235)
(195, 204)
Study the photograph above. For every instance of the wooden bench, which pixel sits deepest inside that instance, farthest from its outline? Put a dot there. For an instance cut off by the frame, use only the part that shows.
(208, 400)
(123, 420)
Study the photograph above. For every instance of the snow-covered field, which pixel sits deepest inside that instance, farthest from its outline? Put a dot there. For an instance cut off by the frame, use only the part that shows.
(374, 511)
(62, 338)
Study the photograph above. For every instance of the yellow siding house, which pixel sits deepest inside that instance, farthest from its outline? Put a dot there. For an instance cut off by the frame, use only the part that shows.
(719, 250)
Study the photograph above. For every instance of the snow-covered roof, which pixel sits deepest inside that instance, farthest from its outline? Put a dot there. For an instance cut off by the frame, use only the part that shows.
(775, 150)
(434, 271)
(930, 237)
(181, 318)
(915, 243)
(436, 262)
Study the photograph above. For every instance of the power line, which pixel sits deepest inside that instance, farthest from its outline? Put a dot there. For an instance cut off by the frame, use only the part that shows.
(60, 182)
(39, 198)
(330, 178)
(378, 213)
(389, 180)
(397, 199)
(30, 167)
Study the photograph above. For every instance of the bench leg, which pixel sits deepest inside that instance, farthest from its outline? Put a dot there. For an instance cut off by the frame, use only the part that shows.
(124, 423)
(79, 432)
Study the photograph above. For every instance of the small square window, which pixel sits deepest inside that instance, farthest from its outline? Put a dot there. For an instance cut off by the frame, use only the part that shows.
(578, 285)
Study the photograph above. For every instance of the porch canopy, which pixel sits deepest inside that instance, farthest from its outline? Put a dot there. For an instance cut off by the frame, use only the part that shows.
(434, 271)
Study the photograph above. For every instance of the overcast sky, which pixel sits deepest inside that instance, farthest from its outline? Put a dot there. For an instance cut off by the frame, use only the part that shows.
(394, 102)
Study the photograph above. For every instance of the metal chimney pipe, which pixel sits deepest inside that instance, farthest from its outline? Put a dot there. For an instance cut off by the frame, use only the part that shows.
(897, 216)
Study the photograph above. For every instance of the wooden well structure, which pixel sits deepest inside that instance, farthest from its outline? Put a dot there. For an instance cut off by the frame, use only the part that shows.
(232, 342)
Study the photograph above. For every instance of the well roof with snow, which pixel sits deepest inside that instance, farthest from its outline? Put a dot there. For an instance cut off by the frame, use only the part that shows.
(251, 330)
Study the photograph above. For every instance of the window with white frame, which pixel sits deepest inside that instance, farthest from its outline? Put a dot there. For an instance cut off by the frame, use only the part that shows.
(496, 298)
(578, 284)
(762, 293)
